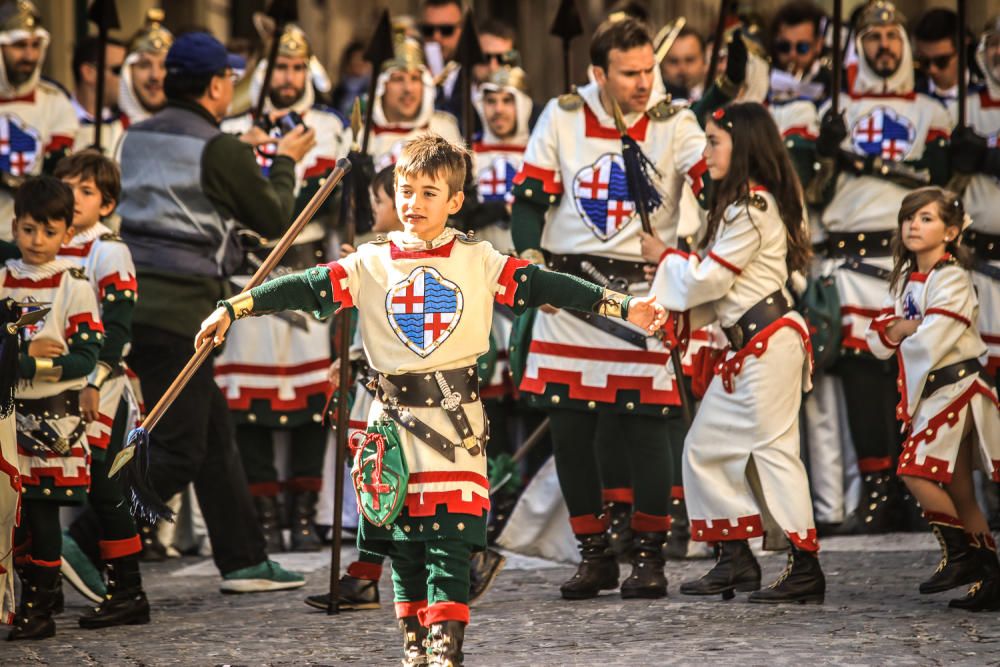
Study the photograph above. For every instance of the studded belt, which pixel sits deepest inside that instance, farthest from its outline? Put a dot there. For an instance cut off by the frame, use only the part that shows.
(620, 272)
(769, 309)
(952, 373)
(986, 247)
(860, 244)
(35, 432)
(448, 390)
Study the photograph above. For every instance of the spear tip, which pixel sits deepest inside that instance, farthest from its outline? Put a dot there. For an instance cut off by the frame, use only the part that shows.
(356, 122)
(616, 111)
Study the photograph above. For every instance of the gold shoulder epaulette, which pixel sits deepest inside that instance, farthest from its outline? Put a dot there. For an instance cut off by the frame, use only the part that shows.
(665, 110)
(570, 101)
(379, 240)
(468, 237)
(758, 201)
(110, 236)
(77, 273)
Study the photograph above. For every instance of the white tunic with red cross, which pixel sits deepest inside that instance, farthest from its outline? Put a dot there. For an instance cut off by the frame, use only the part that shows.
(982, 203)
(496, 164)
(896, 128)
(576, 153)
(750, 411)
(944, 301)
(32, 126)
(424, 310)
(107, 262)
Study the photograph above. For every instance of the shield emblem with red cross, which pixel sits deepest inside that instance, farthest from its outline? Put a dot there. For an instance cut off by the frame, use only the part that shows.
(600, 192)
(424, 309)
(885, 133)
(496, 182)
(19, 146)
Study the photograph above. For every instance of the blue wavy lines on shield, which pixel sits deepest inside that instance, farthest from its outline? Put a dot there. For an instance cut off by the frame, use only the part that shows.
(412, 326)
(437, 297)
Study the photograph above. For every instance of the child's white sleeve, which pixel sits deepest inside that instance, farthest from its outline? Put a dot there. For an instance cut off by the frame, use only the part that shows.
(878, 340)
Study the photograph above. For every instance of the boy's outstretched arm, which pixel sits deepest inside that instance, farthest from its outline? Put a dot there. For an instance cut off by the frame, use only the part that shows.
(317, 290)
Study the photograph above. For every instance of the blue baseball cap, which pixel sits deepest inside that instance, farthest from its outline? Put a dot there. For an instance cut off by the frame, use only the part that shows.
(199, 53)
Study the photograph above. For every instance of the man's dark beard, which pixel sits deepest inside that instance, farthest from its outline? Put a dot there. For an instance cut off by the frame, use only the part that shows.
(282, 101)
(885, 73)
(18, 77)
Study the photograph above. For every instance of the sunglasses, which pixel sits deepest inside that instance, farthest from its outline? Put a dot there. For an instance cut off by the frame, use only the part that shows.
(427, 30)
(501, 58)
(785, 46)
(938, 62)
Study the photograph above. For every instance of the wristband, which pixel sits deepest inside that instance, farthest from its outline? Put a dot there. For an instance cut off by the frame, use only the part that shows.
(613, 304)
(99, 375)
(239, 306)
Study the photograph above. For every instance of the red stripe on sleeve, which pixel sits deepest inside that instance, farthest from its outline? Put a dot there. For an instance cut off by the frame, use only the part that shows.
(82, 319)
(947, 313)
(506, 280)
(546, 176)
(340, 293)
(935, 133)
(696, 174)
(732, 267)
(117, 282)
(58, 142)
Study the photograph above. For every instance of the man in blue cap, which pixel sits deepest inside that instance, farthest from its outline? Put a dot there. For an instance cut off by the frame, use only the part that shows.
(187, 188)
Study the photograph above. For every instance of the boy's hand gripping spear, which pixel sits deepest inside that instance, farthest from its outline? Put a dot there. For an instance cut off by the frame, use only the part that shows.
(144, 500)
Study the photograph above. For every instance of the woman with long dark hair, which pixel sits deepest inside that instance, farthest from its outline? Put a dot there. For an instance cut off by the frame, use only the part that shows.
(743, 477)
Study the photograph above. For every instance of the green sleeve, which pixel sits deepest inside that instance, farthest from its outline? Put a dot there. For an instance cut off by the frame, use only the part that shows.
(802, 152)
(310, 290)
(116, 315)
(712, 99)
(537, 287)
(233, 181)
(527, 220)
(84, 347)
(937, 160)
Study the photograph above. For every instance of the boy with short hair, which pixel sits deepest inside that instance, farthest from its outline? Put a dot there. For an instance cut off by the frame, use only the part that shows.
(425, 297)
(59, 351)
(107, 403)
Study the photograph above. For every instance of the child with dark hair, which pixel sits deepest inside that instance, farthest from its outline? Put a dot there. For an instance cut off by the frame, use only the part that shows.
(743, 476)
(108, 403)
(58, 352)
(948, 400)
(425, 302)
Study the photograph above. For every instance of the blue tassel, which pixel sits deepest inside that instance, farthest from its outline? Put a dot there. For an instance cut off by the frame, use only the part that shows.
(146, 503)
(639, 172)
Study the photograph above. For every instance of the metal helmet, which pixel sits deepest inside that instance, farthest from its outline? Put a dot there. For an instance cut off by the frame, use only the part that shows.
(152, 37)
(19, 15)
(879, 12)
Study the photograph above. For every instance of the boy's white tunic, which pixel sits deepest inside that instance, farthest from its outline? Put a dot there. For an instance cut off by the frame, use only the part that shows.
(107, 262)
(575, 152)
(945, 300)
(426, 310)
(884, 118)
(741, 456)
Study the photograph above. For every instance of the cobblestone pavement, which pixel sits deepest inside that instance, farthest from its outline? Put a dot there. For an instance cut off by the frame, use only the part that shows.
(873, 615)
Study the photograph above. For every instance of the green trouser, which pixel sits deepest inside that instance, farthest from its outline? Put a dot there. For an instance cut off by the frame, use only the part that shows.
(613, 461)
(305, 470)
(430, 579)
(641, 441)
(40, 525)
(870, 396)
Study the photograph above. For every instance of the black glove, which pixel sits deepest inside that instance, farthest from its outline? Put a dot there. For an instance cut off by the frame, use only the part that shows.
(736, 62)
(832, 132)
(968, 151)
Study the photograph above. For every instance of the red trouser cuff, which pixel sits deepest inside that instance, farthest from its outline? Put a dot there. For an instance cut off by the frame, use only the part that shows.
(404, 609)
(943, 519)
(650, 523)
(111, 549)
(28, 560)
(620, 495)
(588, 524)
(677, 492)
(981, 540)
(367, 571)
(443, 611)
(808, 543)
(269, 489)
(300, 484)
(875, 464)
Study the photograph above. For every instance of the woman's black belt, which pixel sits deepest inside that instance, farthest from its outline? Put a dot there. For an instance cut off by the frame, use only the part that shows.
(760, 315)
(448, 390)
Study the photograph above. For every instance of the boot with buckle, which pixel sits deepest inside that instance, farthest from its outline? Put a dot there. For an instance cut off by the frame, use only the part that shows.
(984, 594)
(802, 581)
(414, 636)
(444, 644)
(304, 536)
(679, 534)
(620, 536)
(267, 516)
(41, 589)
(647, 579)
(960, 563)
(735, 570)
(125, 602)
(597, 571)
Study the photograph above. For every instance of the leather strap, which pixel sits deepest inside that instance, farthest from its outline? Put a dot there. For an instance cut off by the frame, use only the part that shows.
(865, 269)
(987, 270)
(620, 272)
(34, 430)
(760, 315)
(986, 247)
(860, 244)
(619, 331)
(952, 373)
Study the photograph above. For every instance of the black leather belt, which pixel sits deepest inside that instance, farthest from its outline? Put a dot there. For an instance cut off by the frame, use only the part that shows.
(619, 331)
(952, 373)
(36, 434)
(760, 315)
(620, 272)
(860, 244)
(986, 247)
(447, 390)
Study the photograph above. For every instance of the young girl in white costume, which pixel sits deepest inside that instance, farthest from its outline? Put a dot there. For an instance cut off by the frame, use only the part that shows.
(948, 401)
(743, 477)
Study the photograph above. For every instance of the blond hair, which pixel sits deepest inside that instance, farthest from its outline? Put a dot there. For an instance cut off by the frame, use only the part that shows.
(433, 155)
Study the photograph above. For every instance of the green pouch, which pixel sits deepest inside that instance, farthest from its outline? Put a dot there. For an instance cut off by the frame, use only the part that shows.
(820, 306)
(380, 472)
